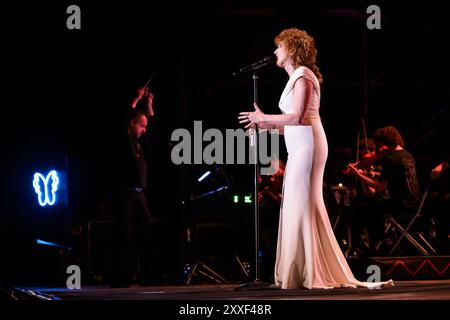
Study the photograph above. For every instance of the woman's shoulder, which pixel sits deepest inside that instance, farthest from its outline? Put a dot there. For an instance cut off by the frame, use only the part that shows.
(304, 72)
(297, 74)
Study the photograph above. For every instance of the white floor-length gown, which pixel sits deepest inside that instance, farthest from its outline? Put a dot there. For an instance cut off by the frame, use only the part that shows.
(308, 254)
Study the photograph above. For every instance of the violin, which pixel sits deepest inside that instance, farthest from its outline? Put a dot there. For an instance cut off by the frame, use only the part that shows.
(365, 158)
(365, 164)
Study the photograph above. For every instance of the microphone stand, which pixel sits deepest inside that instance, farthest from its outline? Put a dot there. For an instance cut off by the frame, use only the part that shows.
(257, 283)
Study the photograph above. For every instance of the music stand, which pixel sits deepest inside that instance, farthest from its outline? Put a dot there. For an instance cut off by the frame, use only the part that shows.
(200, 268)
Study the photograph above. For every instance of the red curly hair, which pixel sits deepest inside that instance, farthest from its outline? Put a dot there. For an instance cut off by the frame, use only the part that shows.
(301, 47)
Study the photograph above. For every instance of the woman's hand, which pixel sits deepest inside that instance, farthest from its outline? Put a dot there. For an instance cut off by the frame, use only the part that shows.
(255, 118)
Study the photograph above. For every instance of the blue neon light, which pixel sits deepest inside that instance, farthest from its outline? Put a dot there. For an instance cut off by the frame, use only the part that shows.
(41, 187)
(207, 173)
(50, 244)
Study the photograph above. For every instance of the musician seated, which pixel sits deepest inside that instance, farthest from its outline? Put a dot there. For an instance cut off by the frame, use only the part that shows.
(397, 179)
(438, 206)
(361, 215)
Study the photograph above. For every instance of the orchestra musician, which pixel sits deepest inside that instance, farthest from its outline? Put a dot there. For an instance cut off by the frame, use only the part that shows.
(360, 215)
(397, 180)
(439, 206)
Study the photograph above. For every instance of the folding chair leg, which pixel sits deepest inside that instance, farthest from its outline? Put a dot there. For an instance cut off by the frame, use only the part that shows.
(407, 236)
(405, 232)
(426, 242)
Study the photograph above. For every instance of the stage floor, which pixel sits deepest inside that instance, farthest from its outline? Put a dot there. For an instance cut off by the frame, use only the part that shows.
(403, 290)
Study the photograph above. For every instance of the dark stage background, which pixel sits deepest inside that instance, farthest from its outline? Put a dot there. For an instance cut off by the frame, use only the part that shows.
(66, 88)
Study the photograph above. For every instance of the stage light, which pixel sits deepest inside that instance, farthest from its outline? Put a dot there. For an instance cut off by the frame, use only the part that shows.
(46, 189)
(207, 173)
(50, 244)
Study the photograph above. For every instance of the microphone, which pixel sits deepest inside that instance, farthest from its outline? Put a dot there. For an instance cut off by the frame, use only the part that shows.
(255, 66)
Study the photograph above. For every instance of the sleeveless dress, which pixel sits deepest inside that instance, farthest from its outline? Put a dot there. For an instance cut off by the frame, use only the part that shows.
(308, 254)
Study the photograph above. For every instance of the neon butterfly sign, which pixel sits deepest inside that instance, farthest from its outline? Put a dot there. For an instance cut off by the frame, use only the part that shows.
(46, 188)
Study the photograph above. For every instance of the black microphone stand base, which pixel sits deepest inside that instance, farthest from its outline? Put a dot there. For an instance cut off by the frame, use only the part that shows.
(256, 285)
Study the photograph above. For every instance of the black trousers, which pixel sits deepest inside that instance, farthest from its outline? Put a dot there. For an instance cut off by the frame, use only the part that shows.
(132, 237)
